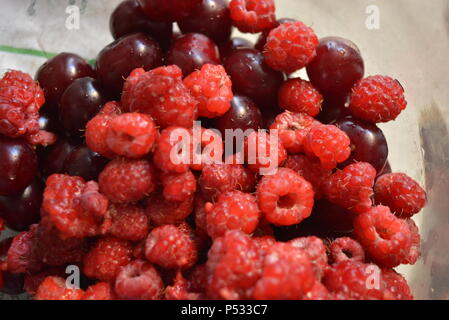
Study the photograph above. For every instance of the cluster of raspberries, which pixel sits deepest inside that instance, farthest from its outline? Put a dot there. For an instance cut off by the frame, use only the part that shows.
(155, 228)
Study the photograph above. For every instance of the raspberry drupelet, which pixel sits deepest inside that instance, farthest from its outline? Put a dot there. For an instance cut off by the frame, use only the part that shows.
(346, 249)
(253, 16)
(161, 211)
(173, 150)
(264, 153)
(99, 291)
(299, 95)
(128, 222)
(415, 251)
(54, 288)
(396, 287)
(180, 290)
(315, 250)
(178, 186)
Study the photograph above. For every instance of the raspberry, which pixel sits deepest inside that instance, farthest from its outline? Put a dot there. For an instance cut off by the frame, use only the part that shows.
(127, 180)
(54, 288)
(396, 287)
(129, 222)
(139, 280)
(346, 249)
(297, 95)
(415, 250)
(253, 16)
(377, 99)
(352, 187)
(219, 178)
(234, 210)
(170, 247)
(172, 152)
(161, 94)
(207, 149)
(318, 292)
(287, 274)
(180, 290)
(385, 238)
(310, 169)
(21, 257)
(330, 144)
(197, 279)
(33, 281)
(131, 135)
(285, 198)
(200, 216)
(290, 46)
(315, 251)
(161, 211)
(178, 186)
(76, 208)
(264, 243)
(212, 88)
(401, 193)
(106, 257)
(292, 129)
(99, 291)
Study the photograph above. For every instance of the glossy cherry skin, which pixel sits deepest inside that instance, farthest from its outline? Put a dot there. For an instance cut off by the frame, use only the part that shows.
(116, 61)
(55, 75)
(337, 66)
(368, 142)
(83, 162)
(168, 10)
(80, 102)
(128, 18)
(53, 158)
(233, 44)
(191, 51)
(23, 210)
(12, 283)
(211, 18)
(18, 166)
(333, 108)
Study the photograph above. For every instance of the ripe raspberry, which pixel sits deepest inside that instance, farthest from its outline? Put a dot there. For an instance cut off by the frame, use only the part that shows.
(54, 288)
(21, 257)
(318, 292)
(99, 291)
(330, 144)
(415, 249)
(206, 149)
(197, 278)
(162, 95)
(264, 243)
(127, 180)
(401, 193)
(76, 208)
(170, 247)
(139, 280)
(285, 198)
(292, 129)
(385, 238)
(234, 210)
(212, 88)
(346, 249)
(173, 150)
(290, 46)
(131, 135)
(396, 287)
(377, 99)
(128, 222)
(180, 290)
(178, 186)
(287, 274)
(33, 281)
(161, 211)
(297, 95)
(200, 216)
(352, 187)
(106, 257)
(315, 251)
(310, 169)
(219, 178)
(253, 16)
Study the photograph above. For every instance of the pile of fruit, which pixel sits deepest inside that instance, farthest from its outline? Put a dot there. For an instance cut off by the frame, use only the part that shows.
(89, 176)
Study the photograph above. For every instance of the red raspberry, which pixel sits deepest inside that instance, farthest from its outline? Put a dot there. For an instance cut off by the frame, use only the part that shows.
(352, 187)
(129, 222)
(346, 249)
(310, 169)
(99, 291)
(197, 278)
(315, 251)
(76, 208)
(318, 292)
(127, 180)
(264, 243)
(297, 95)
(290, 46)
(377, 99)
(178, 186)
(206, 149)
(131, 135)
(162, 95)
(33, 281)
(171, 247)
(330, 144)
(139, 280)
(200, 216)
(106, 257)
(212, 88)
(21, 257)
(173, 150)
(180, 290)
(285, 198)
(401, 193)
(385, 238)
(218, 178)
(287, 274)
(415, 250)
(161, 211)
(234, 210)
(54, 288)
(396, 287)
(253, 16)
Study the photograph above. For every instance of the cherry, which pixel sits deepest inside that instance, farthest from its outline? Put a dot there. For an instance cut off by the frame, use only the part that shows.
(333, 108)
(331, 218)
(18, 166)
(49, 120)
(116, 61)
(80, 102)
(52, 160)
(83, 162)
(168, 10)
(368, 143)
(337, 66)
(55, 75)
(23, 210)
(260, 44)
(210, 17)
(191, 51)
(128, 18)
(386, 169)
(233, 44)
(12, 283)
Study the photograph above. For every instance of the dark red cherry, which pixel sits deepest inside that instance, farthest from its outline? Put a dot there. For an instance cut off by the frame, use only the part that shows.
(52, 160)
(269, 116)
(55, 75)
(12, 283)
(116, 61)
(18, 166)
(333, 108)
(210, 17)
(368, 142)
(83, 162)
(337, 66)
(191, 51)
(227, 48)
(168, 10)
(386, 169)
(49, 120)
(128, 18)
(80, 102)
(331, 219)
(263, 35)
